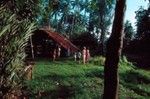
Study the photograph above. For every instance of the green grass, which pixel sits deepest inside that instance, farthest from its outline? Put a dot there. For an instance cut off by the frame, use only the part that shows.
(71, 80)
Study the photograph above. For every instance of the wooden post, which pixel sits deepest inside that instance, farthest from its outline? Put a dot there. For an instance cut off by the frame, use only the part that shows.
(32, 50)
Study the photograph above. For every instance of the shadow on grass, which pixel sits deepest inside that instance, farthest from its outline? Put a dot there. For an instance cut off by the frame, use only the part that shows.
(87, 73)
(62, 92)
(134, 76)
(133, 80)
(66, 80)
(56, 77)
(67, 86)
(136, 89)
(141, 61)
(95, 73)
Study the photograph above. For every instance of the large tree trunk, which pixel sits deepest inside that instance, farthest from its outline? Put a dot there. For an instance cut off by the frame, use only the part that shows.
(114, 47)
(102, 4)
(102, 21)
(102, 39)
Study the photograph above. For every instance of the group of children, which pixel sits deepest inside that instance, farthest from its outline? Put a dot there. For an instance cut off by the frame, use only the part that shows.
(85, 55)
(77, 55)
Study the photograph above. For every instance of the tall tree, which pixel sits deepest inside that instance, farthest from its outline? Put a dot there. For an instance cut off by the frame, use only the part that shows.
(105, 16)
(114, 47)
(143, 22)
(128, 30)
(100, 17)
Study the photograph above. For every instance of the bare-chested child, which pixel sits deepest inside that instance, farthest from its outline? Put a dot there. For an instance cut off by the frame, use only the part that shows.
(84, 55)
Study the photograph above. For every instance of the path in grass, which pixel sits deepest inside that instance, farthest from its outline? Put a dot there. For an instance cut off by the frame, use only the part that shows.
(68, 79)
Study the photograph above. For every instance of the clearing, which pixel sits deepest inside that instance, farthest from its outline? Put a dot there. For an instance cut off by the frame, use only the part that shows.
(67, 79)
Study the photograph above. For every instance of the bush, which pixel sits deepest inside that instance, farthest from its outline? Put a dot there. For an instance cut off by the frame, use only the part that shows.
(125, 65)
(98, 61)
(14, 35)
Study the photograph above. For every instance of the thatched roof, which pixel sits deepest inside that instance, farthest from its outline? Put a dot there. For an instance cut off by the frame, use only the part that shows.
(63, 41)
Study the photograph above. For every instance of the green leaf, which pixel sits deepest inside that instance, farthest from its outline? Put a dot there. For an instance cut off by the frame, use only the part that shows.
(4, 29)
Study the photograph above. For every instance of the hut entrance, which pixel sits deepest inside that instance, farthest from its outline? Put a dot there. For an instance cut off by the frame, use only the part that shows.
(43, 43)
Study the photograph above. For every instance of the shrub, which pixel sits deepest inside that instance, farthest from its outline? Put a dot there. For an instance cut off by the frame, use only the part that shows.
(14, 35)
(125, 65)
(98, 61)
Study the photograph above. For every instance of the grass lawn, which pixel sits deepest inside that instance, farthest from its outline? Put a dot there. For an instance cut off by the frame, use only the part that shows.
(66, 79)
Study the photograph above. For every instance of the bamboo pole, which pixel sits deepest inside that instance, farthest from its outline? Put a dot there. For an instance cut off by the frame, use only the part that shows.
(32, 50)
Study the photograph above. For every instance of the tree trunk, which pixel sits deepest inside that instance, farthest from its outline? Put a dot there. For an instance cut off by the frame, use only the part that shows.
(102, 9)
(114, 47)
(72, 26)
(102, 39)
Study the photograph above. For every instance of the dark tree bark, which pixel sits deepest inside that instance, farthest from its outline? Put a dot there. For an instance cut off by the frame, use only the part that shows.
(114, 47)
(102, 8)
(102, 39)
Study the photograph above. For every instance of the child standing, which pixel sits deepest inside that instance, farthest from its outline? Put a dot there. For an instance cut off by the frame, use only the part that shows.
(78, 56)
(84, 55)
(54, 55)
(58, 51)
(75, 56)
(87, 55)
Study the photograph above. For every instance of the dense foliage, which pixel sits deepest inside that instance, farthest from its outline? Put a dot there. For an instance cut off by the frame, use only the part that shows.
(140, 44)
(76, 16)
(128, 30)
(14, 34)
(143, 22)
